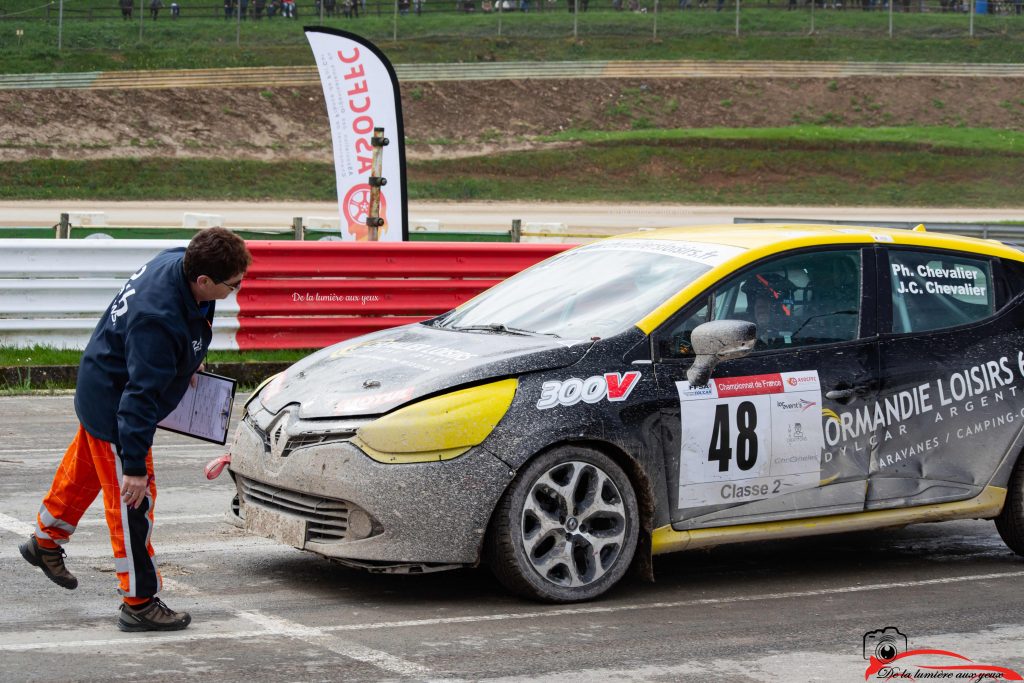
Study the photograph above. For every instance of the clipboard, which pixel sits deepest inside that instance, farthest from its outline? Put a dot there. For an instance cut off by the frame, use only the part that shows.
(204, 412)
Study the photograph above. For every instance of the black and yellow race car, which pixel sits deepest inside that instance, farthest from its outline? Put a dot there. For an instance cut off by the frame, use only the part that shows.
(656, 392)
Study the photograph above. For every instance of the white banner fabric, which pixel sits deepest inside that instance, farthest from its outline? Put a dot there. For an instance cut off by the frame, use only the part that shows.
(361, 92)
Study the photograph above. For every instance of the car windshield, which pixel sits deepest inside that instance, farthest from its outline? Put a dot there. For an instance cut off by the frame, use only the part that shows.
(595, 291)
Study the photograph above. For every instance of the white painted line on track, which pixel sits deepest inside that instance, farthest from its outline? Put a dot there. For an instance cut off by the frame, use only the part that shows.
(170, 448)
(15, 526)
(46, 639)
(300, 630)
(319, 637)
(572, 611)
(100, 551)
(161, 519)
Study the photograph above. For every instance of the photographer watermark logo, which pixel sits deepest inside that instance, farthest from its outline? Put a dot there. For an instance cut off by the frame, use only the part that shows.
(889, 658)
(884, 644)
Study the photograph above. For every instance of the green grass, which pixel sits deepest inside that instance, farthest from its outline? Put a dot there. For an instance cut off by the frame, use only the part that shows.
(966, 139)
(797, 165)
(46, 355)
(726, 174)
(202, 39)
(153, 178)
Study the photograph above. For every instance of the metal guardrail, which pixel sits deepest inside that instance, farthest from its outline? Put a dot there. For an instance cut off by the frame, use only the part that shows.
(996, 231)
(297, 294)
(290, 76)
(66, 228)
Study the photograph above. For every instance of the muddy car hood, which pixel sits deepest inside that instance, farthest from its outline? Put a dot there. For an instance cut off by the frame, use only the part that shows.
(377, 373)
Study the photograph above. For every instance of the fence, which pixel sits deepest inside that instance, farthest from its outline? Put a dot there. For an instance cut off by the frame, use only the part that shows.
(213, 24)
(296, 295)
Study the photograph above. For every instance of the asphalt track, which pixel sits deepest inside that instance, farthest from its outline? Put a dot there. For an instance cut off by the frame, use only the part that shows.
(782, 611)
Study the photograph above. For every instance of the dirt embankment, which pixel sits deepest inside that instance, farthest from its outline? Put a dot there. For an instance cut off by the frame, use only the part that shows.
(291, 123)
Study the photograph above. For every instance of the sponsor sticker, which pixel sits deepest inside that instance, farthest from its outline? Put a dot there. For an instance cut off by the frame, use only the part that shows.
(699, 252)
(749, 438)
(611, 386)
(360, 403)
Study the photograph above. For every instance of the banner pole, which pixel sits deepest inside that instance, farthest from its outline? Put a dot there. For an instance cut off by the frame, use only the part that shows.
(373, 220)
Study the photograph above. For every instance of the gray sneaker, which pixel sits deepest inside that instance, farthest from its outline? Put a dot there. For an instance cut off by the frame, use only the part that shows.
(153, 616)
(50, 561)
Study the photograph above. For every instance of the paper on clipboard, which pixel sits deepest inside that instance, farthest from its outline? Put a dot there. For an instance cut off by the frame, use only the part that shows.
(204, 412)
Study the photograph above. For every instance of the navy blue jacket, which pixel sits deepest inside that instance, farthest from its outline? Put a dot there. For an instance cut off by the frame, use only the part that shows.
(140, 358)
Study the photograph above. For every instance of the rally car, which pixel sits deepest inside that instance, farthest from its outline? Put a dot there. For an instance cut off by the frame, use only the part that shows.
(655, 392)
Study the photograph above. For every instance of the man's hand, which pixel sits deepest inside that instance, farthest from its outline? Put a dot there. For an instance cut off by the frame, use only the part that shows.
(133, 489)
(195, 377)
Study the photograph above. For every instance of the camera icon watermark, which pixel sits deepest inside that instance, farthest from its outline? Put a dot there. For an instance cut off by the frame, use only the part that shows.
(884, 644)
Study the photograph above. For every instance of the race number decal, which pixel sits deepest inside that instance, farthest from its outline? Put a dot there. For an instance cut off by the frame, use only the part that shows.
(748, 438)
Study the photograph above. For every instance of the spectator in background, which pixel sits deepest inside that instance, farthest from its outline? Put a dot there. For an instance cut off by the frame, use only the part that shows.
(329, 6)
(257, 9)
(175, 10)
(126, 8)
(227, 9)
(417, 6)
(288, 9)
(403, 7)
(154, 8)
(244, 8)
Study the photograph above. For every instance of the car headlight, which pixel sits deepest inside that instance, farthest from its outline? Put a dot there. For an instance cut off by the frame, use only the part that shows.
(256, 392)
(438, 428)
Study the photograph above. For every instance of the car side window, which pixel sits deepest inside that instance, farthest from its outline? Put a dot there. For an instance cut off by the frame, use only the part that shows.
(1013, 280)
(932, 291)
(799, 300)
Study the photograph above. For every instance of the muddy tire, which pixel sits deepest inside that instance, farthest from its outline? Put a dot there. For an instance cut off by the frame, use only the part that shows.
(566, 528)
(1010, 521)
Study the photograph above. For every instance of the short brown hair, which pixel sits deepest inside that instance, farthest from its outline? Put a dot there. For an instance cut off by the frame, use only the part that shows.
(217, 253)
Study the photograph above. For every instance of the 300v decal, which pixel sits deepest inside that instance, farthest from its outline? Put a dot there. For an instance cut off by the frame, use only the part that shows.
(569, 392)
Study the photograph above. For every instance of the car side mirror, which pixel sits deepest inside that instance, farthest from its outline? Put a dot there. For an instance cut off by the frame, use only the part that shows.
(716, 341)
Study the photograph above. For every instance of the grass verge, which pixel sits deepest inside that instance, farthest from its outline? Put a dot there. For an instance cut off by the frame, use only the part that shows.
(48, 355)
(47, 369)
(789, 166)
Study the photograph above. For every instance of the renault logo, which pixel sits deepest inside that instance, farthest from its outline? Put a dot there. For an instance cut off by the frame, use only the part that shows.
(277, 434)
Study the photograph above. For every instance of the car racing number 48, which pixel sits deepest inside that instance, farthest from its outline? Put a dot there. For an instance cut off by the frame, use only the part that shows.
(748, 438)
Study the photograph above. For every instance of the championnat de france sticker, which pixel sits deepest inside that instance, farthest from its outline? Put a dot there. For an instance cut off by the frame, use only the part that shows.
(749, 438)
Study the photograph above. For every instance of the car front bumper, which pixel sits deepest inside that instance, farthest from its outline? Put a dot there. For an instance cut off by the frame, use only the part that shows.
(327, 498)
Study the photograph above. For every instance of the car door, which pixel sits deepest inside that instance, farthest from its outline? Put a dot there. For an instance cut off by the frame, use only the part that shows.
(951, 374)
(764, 441)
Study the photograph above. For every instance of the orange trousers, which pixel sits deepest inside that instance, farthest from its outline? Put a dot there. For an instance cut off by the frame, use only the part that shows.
(89, 466)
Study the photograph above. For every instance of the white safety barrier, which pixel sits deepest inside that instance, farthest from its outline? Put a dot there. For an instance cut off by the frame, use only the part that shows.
(424, 225)
(52, 292)
(87, 218)
(321, 222)
(550, 233)
(202, 220)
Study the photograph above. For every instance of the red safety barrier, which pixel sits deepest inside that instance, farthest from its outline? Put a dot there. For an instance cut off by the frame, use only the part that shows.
(395, 259)
(361, 296)
(313, 294)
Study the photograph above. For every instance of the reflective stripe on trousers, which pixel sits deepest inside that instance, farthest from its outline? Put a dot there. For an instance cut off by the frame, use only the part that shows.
(89, 466)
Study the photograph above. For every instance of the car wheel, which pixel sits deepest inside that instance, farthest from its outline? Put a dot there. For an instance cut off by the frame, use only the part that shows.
(1010, 521)
(566, 528)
